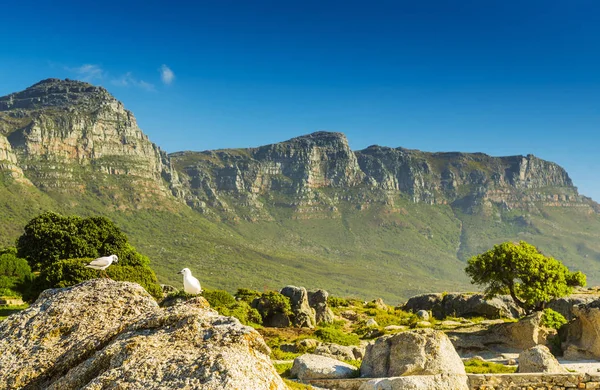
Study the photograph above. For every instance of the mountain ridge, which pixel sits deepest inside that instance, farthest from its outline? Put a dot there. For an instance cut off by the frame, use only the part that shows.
(308, 210)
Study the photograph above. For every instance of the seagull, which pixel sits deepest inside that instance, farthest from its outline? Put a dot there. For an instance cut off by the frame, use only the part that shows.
(191, 285)
(102, 263)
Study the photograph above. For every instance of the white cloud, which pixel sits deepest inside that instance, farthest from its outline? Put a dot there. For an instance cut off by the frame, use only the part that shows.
(88, 72)
(127, 80)
(166, 75)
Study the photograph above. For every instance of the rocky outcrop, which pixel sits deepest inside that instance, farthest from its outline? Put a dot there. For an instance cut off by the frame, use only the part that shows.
(523, 334)
(582, 340)
(309, 366)
(335, 351)
(304, 315)
(103, 334)
(464, 305)
(317, 300)
(539, 359)
(417, 352)
(565, 305)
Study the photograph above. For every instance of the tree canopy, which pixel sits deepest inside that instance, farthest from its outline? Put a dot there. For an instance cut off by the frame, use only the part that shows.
(521, 270)
(14, 272)
(58, 247)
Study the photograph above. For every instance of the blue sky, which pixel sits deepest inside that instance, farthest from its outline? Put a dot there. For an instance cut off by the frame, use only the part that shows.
(500, 77)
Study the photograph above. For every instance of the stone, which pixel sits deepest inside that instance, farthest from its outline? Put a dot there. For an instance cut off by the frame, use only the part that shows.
(423, 314)
(565, 305)
(308, 344)
(103, 333)
(395, 328)
(167, 289)
(415, 352)
(350, 315)
(359, 351)
(371, 323)
(423, 324)
(310, 366)
(317, 299)
(335, 351)
(419, 382)
(304, 315)
(539, 359)
(582, 340)
(520, 335)
(464, 305)
(377, 304)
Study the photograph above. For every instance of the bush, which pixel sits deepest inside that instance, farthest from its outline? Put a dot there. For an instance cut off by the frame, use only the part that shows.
(246, 295)
(332, 335)
(337, 302)
(218, 298)
(271, 303)
(553, 319)
(15, 273)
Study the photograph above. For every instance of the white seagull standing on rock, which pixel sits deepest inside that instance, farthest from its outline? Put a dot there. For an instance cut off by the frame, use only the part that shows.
(102, 263)
(191, 285)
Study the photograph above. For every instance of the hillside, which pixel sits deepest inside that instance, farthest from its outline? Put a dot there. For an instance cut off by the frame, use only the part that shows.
(382, 221)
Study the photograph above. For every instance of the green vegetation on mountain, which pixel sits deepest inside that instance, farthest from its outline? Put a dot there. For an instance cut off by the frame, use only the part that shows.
(531, 278)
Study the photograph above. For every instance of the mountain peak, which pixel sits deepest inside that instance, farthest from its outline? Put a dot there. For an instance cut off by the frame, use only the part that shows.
(54, 92)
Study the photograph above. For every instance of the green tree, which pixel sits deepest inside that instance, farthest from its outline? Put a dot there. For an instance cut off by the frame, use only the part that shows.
(58, 247)
(14, 272)
(520, 270)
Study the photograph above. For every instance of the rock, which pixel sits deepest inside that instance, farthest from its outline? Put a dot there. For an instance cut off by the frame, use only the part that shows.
(419, 382)
(565, 305)
(539, 359)
(311, 366)
(304, 316)
(464, 305)
(423, 324)
(582, 340)
(423, 314)
(106, 334)
(377, 304)
(521, 335)
(317, 299)
(371, 323)
(395, 328)
(350, 315)
(289, 347)
(451, 324)
(415, 352)
(335, 351)
(168, 289)
(428, 302)
(308, 344)
(359, 352)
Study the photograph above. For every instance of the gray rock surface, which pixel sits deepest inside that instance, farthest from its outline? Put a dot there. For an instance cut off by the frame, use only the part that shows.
(582, 341)
(103, 334)
(304, 315)
(419, 382)
(464, 305)
(539, 359)
(317, 299)
(423, 314)
(335, 351)
(416, 352)
(565, 305)
(310, 366)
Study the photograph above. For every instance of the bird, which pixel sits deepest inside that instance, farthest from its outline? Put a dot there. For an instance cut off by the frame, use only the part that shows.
(102, 263)
(191, 285)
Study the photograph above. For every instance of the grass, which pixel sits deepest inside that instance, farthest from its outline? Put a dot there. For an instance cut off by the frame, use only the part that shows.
(476, 366)
(6, 311)
(296, 386)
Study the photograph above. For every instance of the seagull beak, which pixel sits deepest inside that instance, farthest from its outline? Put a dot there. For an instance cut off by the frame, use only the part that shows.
(180, 272)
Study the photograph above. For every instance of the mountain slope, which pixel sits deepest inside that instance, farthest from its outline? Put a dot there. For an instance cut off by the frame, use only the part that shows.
(387, 222)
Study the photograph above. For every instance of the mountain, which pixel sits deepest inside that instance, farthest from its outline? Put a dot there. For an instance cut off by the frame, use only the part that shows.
(382, 221)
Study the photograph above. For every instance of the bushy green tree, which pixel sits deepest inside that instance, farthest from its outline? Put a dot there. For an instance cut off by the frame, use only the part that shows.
(58, 247)
(14, 272)
(520, 270)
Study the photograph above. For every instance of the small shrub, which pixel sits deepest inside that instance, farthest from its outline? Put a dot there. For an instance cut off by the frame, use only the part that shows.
(246, 295)
(218, 298)
(337, 302)
(278, 354)
(332, 335)
(283, 369)
(553, 319)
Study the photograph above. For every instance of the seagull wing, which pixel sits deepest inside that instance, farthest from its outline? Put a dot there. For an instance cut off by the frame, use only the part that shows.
(101, 262)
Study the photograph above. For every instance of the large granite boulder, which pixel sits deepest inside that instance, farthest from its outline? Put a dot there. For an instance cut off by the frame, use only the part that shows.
(565, 305)
(304, 315)
(582, 341)
(416, 352)
(317, 300)
(464, 305)
(539, 359)
(103, 334)
(310, 366)
(419, 382)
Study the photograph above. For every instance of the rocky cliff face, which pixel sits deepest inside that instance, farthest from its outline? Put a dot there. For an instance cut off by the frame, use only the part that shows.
(69, 136)
(314, 173)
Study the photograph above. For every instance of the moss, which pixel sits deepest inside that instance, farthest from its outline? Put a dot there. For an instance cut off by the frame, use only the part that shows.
(476, 366)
